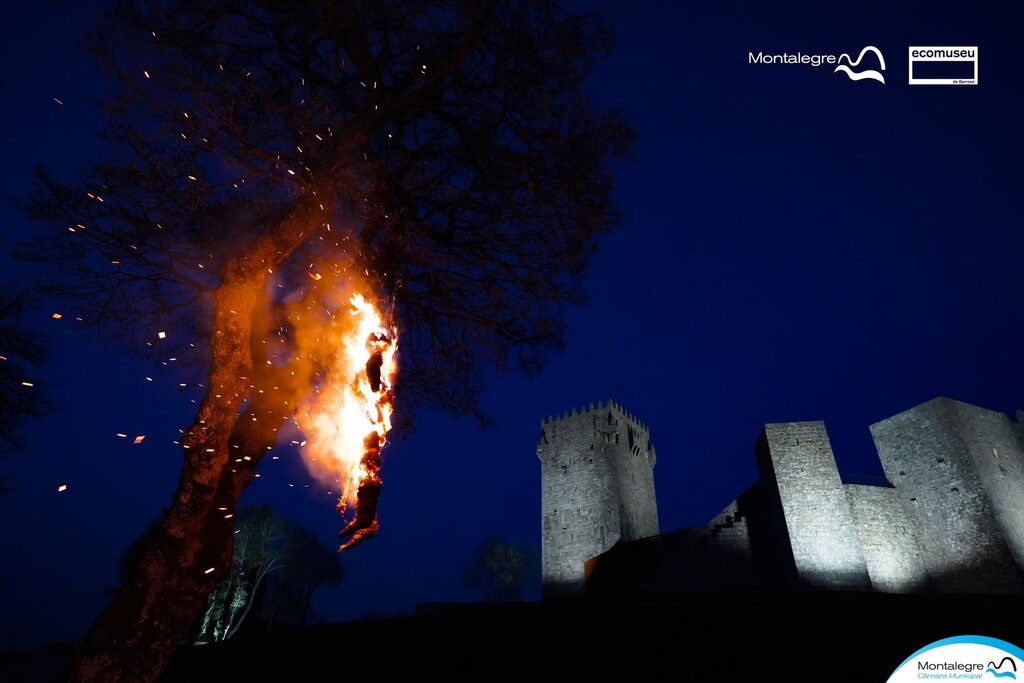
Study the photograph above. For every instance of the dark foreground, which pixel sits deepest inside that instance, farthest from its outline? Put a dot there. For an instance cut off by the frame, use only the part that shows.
(807, 637)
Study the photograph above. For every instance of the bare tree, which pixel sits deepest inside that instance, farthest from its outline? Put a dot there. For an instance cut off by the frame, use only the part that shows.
(439, 153)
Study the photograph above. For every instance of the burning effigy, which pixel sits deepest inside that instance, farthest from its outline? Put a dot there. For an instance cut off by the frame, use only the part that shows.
(347, 420)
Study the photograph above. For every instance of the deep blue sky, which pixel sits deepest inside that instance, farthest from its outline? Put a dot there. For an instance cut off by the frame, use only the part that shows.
(796, 246)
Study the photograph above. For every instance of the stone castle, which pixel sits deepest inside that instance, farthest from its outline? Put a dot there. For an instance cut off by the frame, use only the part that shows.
(948, 517)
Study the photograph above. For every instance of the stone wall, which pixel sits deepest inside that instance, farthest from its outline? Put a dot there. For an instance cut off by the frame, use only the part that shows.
(998, 458)
(634, 458)
(711, 559)
(888, 539)
(796, 459)
(944, 458)
(729, 533)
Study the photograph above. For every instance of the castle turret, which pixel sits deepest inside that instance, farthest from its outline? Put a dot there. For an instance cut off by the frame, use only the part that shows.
(597, 488)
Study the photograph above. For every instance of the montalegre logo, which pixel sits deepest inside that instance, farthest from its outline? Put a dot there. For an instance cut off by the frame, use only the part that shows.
(963, 658)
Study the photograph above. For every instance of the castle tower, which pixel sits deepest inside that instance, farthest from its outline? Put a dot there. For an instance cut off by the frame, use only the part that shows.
(597, 487)
(959, 470)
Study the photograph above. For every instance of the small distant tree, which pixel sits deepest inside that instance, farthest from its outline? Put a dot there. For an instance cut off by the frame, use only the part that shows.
(259, 550)
(498, 569)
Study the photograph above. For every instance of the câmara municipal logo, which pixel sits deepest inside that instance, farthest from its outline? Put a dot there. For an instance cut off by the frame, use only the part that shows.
(962, 658)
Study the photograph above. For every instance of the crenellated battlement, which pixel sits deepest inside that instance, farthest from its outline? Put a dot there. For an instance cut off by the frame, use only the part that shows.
(599, 407)
(588, 413)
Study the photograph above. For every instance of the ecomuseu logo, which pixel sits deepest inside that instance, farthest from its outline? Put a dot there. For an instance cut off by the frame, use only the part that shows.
(962, 658)
(1010, 671)
(850, 65)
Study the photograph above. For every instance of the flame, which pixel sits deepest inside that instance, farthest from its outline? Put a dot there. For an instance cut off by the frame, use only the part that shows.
(355, 401)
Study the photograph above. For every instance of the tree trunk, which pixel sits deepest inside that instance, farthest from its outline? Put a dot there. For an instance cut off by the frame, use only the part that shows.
(207, 632)
(248, 605)
(189, 553)
(233, 609)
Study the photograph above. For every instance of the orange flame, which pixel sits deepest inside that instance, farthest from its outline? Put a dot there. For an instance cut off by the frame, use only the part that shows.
(355, 401)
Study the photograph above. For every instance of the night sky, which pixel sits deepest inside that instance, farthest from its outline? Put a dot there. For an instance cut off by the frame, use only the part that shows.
(795, 246)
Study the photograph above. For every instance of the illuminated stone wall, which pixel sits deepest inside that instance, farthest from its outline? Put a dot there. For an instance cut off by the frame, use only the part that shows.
(959, 472)
(597, 487)
(888, 539)
(796, 459)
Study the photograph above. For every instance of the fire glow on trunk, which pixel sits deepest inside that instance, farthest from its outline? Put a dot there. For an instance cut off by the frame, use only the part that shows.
(348, 422)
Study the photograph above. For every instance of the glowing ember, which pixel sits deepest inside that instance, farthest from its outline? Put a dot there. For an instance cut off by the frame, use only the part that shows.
(139, 439)
(348, 424)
